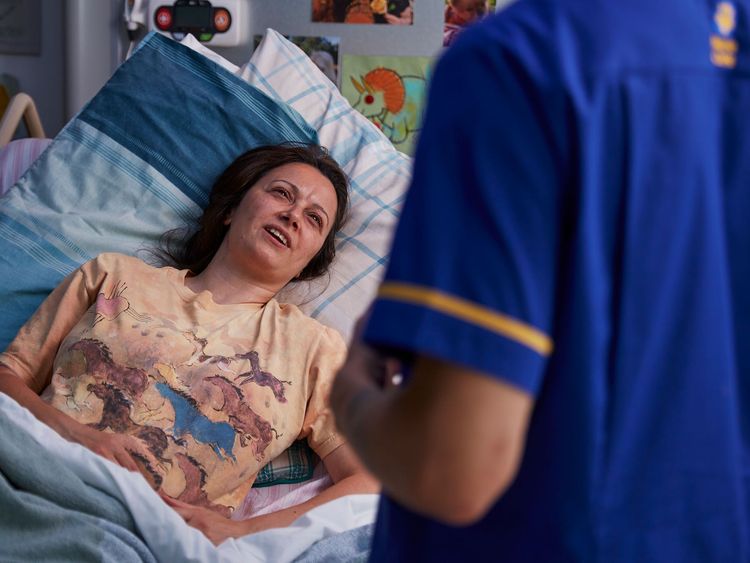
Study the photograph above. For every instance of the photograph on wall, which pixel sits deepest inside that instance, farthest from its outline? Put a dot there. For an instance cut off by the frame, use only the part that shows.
(20, 27)
(391, 12)
(323, 51)
(461, 13)
(390, 92)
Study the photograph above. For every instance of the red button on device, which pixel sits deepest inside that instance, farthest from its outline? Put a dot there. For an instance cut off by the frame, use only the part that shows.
(222, 20)
(163, 18)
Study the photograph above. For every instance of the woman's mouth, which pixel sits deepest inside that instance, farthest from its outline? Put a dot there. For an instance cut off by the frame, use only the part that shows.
(278, 235)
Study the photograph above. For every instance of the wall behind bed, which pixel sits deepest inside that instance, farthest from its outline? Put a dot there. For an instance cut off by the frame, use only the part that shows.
(42, 74)
(292, 17)
(84, 40)
(93, 42)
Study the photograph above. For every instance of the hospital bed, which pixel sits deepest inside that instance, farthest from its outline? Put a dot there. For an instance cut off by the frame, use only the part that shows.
(137, 160)
(20, 109)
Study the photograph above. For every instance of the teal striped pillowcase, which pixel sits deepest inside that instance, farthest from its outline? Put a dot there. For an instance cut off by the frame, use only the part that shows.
(138, 160)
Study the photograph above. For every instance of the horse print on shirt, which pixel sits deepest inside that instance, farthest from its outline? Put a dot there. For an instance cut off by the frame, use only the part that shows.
(255, 374)
(188, 419)
(191, 408)
(116, 417)
(101, 366)
(195, 481)
(244, 419)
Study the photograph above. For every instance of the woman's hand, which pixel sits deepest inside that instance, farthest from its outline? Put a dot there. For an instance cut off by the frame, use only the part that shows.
(348, 476)
(118, 448)
(216, 527)
(114, 447)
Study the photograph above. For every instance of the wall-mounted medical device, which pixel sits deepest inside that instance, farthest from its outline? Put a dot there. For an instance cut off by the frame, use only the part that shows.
(220, 24)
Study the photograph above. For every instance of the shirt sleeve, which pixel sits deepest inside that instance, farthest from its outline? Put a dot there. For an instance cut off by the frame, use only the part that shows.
(32, 352)
(319, 426)
(472, 273)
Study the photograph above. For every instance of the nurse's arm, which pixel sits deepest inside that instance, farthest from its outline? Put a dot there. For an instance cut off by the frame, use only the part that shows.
(447, 445)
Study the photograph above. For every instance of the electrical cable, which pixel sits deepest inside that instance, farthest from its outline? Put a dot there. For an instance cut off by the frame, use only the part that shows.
(134, 14)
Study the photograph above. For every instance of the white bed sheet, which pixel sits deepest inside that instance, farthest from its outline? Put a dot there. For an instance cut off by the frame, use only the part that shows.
(167, 535)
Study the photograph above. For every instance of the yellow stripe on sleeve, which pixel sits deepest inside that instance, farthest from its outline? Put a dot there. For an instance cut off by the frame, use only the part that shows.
(470, 312)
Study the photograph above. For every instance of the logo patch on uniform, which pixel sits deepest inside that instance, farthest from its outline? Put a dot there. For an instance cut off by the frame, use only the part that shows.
(723, 44)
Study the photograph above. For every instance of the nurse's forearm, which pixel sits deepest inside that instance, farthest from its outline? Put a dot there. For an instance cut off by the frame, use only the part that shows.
(446, 445)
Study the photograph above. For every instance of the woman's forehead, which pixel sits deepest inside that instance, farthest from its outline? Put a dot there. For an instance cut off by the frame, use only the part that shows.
(307, 181)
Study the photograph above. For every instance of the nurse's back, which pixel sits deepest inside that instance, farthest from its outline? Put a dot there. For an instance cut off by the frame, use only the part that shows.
(637, 446)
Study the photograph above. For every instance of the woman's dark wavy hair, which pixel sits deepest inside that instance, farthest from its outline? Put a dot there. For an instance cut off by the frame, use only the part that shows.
(194, 249)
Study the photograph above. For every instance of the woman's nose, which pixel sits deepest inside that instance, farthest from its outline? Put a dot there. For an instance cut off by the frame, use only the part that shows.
(291, 217)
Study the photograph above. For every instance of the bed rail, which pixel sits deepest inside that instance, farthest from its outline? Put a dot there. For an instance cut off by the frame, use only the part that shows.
(21, 106)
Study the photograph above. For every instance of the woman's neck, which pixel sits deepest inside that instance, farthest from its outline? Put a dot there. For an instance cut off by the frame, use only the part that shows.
(228, 287)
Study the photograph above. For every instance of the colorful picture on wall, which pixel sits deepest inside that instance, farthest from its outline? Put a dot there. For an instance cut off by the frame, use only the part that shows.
(393, 12)
(390, 92)
(323, 51)
(460, 13)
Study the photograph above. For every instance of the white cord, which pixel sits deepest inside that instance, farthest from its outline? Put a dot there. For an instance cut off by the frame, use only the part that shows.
(129, 52)
(134, 14)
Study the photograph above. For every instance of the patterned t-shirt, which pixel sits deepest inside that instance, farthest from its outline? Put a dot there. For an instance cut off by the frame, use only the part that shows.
(213, 391)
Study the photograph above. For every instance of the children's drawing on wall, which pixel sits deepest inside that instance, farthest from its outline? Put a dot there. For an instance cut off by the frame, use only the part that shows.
(323, 51)
(460, 13)
(390, 92)
(393, 12)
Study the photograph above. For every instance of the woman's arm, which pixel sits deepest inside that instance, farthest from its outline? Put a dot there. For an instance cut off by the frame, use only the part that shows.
(114, 447)
(36, 346)
(348, 475)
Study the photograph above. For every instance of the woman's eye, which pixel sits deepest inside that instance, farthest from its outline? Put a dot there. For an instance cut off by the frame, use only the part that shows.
(317, 219)
(281, 191)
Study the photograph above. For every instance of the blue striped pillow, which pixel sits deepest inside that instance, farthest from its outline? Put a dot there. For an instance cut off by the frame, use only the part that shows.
(138, 160)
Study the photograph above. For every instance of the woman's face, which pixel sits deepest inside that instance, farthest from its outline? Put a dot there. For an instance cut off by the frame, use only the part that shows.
(281, 223)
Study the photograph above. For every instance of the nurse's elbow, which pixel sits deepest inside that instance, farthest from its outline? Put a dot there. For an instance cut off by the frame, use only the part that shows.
(465, 498)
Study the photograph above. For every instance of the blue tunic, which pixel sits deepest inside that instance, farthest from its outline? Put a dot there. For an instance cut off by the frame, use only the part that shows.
(579, 226)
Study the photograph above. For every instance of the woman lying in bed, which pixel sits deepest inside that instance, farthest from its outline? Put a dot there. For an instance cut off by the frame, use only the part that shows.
(194, 375)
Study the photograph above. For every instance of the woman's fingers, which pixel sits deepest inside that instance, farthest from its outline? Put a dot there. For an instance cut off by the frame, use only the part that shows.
(123, 458)
(215, 527)
(186, 511)
(113, 447)
(173, 502)
(137, 445)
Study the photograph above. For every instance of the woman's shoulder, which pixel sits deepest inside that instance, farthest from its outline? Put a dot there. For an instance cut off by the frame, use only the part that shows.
(116, 262)
(300, 320)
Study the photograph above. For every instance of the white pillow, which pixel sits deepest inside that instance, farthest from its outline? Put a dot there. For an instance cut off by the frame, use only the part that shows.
(379, 176)
(190, 41)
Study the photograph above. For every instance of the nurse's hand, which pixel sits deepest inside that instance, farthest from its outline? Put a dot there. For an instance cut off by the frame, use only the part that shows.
(365, 370)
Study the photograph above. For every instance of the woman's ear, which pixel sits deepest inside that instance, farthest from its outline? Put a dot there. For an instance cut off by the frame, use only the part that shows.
(228, 217)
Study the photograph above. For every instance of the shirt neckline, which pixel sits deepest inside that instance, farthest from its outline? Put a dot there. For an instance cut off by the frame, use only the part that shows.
(204, 298)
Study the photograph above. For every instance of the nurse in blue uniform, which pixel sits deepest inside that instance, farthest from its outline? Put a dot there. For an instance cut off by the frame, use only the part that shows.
(569, 294)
